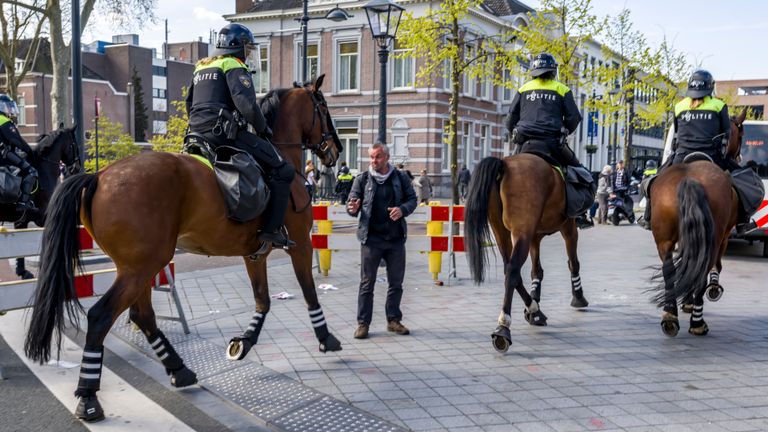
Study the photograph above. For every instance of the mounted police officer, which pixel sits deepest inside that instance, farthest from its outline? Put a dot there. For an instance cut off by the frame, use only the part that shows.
(542, 115)
(10, 141)
(222, 101)
(701, 125)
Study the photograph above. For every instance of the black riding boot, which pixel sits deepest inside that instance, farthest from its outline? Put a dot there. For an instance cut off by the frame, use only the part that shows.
(274, 215)
(25, 200)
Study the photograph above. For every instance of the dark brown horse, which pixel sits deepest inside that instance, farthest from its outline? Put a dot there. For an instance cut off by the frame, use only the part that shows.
(139, 210)
(693, 210)
(52, 149)
(523, 198)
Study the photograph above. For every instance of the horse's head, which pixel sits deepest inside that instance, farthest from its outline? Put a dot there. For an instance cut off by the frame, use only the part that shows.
(319, 134)
(733, 149)
(60, 146)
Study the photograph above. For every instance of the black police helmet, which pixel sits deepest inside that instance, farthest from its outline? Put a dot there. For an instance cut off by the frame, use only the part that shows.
(700, 84)
(542, 64)
(233, 39)
(8, 106)
(650, 164)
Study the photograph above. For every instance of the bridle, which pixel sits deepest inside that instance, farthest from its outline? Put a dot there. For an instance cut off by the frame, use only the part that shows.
(328, 132)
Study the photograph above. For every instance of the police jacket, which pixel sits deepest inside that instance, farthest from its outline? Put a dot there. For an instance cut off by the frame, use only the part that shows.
(223, 83)
(698, 128)
(541, 108)
(364, 188)
(10, 136)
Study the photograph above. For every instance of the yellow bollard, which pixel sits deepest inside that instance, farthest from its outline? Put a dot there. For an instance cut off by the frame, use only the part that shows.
(435, 258)
(324, 255)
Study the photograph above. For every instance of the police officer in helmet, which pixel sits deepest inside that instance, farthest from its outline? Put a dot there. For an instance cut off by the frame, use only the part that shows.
(10, 141)
(543, 113)
(222, 90)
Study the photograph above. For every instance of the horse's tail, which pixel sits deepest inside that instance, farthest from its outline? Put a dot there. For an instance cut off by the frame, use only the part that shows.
(59, 257)
(696, 246)
(476, 232)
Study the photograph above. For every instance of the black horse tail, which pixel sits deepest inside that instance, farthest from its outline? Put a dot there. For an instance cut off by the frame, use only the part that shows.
(696, 246)
(476, 232)
(59, 258)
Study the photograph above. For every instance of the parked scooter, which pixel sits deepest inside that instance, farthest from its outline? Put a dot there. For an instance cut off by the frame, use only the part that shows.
(620, 209)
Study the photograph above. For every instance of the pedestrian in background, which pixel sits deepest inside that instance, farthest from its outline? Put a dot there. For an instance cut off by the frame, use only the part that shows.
(424, 187)
(309, 175)
(343, 183)
(327, 183)
(604, 189)
(407, 172)
(383, 197)
(464, 177)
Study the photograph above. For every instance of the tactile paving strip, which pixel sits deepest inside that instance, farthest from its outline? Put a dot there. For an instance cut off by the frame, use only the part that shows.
(205, 358)
(260, 391)
(331, 415)
(127, 332)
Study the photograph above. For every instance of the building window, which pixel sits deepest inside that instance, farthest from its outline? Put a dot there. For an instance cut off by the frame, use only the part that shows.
(447, 71)
(159, 93)
(21, 102)
(400, 141)
(159, 127)
(465, 148)
(159, 71)
(347, 66)
(444, 153)
(485, 144)
(313, 60)
(403, 68)
(470, 83)
(261, 77)
(506, 92)
(347, 130)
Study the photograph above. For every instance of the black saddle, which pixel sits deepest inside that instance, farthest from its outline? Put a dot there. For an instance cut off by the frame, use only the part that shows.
(196, 144)
(697, 156)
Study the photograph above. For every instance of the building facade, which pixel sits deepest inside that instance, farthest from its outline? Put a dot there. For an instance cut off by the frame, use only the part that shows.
(750, 94)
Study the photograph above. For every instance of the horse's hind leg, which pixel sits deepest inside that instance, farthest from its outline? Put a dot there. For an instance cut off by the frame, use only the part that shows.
(669, 322)
(21, 269)
(537, 271)
(571, 237)
(301, 258)
(698, 326)
(142, 314)
(714, 290)
(239, 346)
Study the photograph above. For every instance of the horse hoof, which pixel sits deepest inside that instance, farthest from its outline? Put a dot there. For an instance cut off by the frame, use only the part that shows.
(183, 378)
(26, 274)
(238, 348)
(670, 326)
(687, 307)
(578, 301)
(535, 319)
(701, 330)
(89, 409)
(330, 344)
(714, 292)
(501, 339)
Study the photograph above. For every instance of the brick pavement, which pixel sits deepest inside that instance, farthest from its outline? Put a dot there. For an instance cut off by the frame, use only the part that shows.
(608, 367)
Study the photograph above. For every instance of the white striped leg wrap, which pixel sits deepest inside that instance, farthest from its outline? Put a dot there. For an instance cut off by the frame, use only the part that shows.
(159, 347)
(698, 312)
(90, 368)
(714, 277)
(256, 320)
(317, 317)
(576, 283)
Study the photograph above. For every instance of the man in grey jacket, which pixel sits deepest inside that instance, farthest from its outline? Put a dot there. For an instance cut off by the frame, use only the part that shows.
(383, 197)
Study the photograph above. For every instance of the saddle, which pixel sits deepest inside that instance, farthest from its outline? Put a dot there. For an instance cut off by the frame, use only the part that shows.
(10, 184)
(240, 177)
(697, 156)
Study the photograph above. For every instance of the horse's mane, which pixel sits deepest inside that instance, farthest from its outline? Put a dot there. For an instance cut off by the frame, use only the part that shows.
(45, 141)
(270, 105)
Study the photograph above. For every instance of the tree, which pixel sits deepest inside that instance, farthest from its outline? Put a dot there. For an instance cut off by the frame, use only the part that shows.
(21, 29)
(140, 120)
(450, 48)
(176, 129)
(114, 144)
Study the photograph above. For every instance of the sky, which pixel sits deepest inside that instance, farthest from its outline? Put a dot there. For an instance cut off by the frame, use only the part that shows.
(725, 37)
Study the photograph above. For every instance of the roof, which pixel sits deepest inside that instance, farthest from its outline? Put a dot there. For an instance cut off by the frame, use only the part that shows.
(270, 5)
(496, 7)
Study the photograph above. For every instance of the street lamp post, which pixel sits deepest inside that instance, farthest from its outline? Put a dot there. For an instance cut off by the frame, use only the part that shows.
(336, 14)
(383, 18)
(592, 124)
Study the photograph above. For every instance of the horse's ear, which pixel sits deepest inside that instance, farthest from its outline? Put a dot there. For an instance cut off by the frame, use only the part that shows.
(318, 82)
(61, 125)
(740, 119)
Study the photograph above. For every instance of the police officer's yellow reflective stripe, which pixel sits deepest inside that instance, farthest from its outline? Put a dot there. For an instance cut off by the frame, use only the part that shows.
(345, 177)
(649, 172)
(541, 84)
(4, 119)
(226, 64)
(709, 104)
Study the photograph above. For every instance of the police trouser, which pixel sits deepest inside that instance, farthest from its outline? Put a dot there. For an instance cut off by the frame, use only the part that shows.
(27, 172)
(552, 151)
(279, 173)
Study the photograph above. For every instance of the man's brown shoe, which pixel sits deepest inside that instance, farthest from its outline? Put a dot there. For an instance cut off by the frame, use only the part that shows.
(362, 331)
(397, 327)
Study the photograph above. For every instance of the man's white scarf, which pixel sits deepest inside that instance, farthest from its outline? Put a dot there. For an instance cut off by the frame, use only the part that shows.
(381, 178)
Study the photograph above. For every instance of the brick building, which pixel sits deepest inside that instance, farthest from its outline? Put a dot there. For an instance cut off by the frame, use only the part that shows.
(752, 94)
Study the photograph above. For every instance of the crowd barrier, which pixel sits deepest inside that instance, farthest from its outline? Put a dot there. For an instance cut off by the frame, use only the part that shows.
(434, 243)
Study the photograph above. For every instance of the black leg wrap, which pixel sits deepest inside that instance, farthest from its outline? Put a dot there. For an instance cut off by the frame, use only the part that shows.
(318, 323)
(90, 372)
(239, 346)
(165, 352)
(536, 290)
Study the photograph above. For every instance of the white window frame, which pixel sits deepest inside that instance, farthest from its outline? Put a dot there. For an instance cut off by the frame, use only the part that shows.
(337, 64)
(469, 84)
(506, 94)
(298, 50)
(22, 104)
(401, 63)
(445, 156)
(466, 142)
(345, 137)
(400, 129)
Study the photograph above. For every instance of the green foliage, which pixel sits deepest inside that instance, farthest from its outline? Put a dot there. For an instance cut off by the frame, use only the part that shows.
(114, 144)
(141, 121)
(173, 139)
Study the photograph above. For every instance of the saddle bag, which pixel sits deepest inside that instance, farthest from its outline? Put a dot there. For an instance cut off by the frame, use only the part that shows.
(10, 185)
(749, 187)
(580, 189)
(242, 183)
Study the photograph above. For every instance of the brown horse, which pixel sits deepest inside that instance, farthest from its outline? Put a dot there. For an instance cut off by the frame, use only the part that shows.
(523, 198)
(139, 210)
(693, 210)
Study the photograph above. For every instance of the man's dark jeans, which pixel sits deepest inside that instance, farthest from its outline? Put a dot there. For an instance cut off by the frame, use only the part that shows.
(393, 254)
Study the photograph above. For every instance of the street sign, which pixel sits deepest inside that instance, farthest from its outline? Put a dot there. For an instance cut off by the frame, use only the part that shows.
(592, 124)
